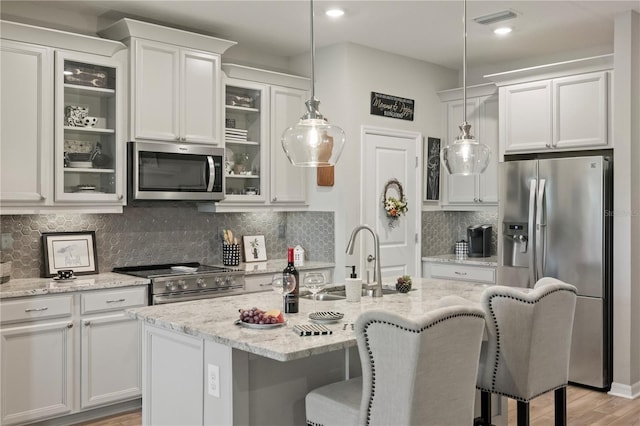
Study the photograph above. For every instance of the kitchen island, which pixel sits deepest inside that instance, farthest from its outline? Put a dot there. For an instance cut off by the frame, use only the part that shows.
(201, 368)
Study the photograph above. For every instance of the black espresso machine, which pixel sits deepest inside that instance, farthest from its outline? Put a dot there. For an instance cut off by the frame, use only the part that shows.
(479, 240)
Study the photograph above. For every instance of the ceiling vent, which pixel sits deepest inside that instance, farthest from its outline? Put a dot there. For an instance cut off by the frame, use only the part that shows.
(492, 18)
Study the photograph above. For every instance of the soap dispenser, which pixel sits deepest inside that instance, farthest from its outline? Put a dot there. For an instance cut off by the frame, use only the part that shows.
(353, 285)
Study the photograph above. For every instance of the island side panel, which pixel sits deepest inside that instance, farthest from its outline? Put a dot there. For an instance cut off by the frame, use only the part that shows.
(172, 378)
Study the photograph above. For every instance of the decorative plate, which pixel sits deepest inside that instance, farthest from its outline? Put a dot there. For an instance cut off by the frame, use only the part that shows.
(326, 317)
(259, 326)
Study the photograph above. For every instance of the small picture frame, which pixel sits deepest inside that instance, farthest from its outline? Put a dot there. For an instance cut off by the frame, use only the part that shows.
(69, 250)
(255, 249)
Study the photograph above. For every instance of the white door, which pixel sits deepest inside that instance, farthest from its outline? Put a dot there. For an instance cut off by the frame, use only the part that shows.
(392, 154)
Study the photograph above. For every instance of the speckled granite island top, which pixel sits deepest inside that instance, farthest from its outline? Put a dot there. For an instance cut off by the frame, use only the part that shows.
(213, 319)
(466, 260)
(37, 286)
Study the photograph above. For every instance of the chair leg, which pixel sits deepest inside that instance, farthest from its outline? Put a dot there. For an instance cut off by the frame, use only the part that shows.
(523, 413)
(485, 408)
(560, 403)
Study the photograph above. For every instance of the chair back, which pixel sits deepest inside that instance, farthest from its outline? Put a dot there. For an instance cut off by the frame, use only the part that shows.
(529, 339)
(419, 372)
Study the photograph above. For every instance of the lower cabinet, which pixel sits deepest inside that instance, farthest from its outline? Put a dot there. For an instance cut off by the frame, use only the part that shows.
(52, 344)
(262, 282)
(37, 370)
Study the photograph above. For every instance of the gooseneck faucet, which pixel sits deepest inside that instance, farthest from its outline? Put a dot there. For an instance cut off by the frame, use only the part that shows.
(377, 275)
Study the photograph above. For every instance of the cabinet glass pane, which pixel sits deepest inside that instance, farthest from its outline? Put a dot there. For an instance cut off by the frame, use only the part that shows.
(243, 141)
(89, 128)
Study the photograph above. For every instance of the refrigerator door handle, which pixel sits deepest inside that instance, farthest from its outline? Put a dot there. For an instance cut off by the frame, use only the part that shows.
(541, 231)
(532, 239)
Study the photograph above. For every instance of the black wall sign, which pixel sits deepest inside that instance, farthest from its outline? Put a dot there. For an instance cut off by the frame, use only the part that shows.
(392, 106)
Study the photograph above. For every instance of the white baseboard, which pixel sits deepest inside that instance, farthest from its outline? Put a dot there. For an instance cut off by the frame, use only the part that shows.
(625, 391)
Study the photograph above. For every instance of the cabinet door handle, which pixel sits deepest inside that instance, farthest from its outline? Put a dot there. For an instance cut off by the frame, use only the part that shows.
(70, 325)
(274, 199)
(548, 145)
(115, 300)
(460, 273)
(120, 196)
(87, 323)
(42, 198)
(265, 284)
(43, 308)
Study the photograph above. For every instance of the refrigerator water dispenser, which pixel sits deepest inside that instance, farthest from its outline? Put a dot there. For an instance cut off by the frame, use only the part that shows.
(516, 245)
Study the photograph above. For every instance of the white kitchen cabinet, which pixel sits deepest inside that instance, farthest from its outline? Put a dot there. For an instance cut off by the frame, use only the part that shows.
(37, 359)
(181, 102)
(27, 125)
(278, 101)
(109, 337)
(288, 183)
(459, 272)
(33, 178)
(175, 82)
(89, 159)
(482, 114)
(526, 116)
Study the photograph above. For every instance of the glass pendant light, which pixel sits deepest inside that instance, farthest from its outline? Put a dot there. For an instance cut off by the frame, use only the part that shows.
(465, 156)
(313, 142)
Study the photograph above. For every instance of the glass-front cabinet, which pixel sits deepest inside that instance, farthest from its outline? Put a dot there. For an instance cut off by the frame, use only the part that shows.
(88, 122)
(245, 135)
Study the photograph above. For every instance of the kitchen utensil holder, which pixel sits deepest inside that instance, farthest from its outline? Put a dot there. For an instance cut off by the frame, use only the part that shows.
(231, 254)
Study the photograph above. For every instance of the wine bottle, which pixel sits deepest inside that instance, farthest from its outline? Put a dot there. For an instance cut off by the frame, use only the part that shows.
(291, 304)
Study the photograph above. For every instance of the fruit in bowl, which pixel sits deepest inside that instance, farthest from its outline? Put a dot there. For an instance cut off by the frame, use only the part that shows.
(258, 316)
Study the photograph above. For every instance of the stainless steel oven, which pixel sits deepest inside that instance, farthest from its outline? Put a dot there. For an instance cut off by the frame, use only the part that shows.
(173, 171)
(182, 282)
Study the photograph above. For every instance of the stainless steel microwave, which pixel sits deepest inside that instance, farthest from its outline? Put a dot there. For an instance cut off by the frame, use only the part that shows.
(172, 171)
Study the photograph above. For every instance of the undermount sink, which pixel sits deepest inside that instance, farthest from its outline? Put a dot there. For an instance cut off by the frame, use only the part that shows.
(338, 293)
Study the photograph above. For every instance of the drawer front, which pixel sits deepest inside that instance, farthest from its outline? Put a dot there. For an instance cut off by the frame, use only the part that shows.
(255, 283)
(113, 300)
(36, 308)
(464, 273)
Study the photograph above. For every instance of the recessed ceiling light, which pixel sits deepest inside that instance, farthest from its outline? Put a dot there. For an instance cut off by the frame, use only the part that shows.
(502, 30)
(334, 13)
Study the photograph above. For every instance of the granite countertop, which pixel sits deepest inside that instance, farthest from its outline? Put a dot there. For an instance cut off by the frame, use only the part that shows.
(277, 265)
(213, 319)
(20, 287)
(463, 260)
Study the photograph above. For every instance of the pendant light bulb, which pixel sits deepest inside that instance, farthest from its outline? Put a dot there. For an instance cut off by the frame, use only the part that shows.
(465, 156)
(313, 142)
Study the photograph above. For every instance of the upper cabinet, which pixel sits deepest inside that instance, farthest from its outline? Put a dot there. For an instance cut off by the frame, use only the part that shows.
(259, 106)
(175, 82)
(471, 192)
(62, 152)
(555, 107)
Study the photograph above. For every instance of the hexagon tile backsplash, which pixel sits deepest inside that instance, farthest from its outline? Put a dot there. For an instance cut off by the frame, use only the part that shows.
(441, 229)
(163, 234)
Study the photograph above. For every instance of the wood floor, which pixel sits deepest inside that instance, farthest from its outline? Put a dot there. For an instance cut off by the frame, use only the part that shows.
(584, 407)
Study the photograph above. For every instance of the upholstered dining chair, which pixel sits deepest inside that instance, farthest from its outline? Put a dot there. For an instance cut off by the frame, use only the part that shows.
(414, 372)
(528, 346)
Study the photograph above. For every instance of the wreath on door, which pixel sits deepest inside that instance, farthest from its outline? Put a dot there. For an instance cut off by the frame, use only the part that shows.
(394, 207)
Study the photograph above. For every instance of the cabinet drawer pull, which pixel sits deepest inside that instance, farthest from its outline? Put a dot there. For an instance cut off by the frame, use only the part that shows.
(265, 284)
(460, 273)
(115, 300)
(70, 325)
(44, 308)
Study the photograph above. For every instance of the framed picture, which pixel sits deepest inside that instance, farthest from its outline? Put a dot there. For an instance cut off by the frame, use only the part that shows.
(432, 169)
(70, 250)
(254, 248)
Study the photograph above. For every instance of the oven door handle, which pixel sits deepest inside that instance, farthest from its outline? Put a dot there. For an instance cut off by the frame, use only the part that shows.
(212, 173)
(161, 300)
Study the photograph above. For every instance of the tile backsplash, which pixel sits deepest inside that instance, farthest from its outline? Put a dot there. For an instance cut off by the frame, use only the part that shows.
(167, 233)
(441, 229)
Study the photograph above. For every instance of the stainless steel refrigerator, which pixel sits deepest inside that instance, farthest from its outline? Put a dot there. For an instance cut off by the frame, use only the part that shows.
(555, 220)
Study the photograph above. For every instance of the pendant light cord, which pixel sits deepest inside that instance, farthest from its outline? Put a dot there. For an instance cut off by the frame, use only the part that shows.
(464, 63)
(313, 56)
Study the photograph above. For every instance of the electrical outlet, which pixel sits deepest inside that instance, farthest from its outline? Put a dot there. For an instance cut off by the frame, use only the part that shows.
(213, 380)
(282, 229)
(6, 243)
(220, 233)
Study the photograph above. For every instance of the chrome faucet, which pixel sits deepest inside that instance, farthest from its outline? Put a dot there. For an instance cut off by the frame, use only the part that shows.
(377, 275)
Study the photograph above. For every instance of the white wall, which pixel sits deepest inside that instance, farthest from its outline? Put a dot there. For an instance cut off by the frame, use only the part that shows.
(346, 74)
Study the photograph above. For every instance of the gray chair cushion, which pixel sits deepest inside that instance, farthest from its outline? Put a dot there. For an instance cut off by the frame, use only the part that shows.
(414, 371)
(529, 339)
